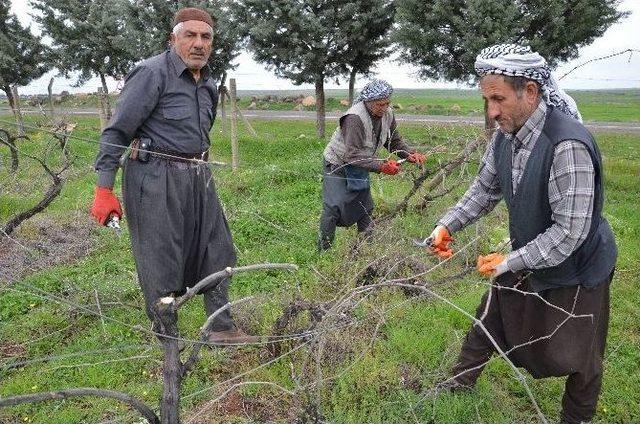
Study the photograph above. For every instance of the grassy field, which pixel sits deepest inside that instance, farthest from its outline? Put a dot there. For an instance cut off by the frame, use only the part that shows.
(377, 361)
(619, 105)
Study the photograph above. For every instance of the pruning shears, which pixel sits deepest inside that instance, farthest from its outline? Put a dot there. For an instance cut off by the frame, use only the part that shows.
(427, 242)
(114, 223)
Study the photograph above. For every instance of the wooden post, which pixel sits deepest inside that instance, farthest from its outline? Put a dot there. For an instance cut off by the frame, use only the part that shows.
(17, 111)
(245, 120)
(234, 124)
(222, 95)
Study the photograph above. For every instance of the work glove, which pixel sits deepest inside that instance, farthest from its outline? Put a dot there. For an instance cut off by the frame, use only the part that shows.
(105, 204)
(390, 167)
(416, 157)
(440, 242)
(492, 264)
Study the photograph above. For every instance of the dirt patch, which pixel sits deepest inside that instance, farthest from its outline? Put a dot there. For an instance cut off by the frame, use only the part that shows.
(235, 407)
(41, 243)
(12, 350)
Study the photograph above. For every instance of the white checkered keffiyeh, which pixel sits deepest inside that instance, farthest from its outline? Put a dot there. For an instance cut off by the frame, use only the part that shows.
(375, 90)
(520, 61)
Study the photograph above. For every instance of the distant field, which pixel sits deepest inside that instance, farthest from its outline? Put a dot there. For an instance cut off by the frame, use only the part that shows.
(596, 105)
(621, 105)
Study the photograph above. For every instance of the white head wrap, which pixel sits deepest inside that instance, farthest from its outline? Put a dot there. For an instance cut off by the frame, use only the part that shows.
(374, 90)
(520, 61)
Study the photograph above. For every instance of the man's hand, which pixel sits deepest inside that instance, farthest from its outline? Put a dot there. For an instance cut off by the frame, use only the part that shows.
(492, 265)
(105, 204)
(390, 167)
(416, 157)
(441, 240)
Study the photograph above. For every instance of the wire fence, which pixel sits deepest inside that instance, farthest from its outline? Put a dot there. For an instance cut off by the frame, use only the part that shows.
(81, 303)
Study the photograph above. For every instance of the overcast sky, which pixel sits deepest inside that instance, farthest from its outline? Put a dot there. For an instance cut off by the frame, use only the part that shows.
(617, 72)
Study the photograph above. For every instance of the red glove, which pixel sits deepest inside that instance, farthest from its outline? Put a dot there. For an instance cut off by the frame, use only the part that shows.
(441, 240)
(487, 264)
(416, 157)
(390, 167)
(105, 204)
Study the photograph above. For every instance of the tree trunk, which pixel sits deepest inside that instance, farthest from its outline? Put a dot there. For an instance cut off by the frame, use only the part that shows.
(10, 142)
(16, 110)
(107, 104)
(320, 111)
(352, 83)
(50, 91)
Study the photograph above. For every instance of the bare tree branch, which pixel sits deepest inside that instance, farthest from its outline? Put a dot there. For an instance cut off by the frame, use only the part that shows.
(143, 409)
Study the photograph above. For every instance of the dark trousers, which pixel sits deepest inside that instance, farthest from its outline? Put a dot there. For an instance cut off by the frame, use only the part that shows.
(179, 233)
(342, 207)
(329, 221)
(575, 350)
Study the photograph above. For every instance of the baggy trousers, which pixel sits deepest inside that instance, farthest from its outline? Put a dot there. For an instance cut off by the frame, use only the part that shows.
(179, 233)
(575, 350)
(342, 207)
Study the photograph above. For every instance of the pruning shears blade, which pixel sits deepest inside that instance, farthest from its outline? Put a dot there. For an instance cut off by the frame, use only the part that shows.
(427, 242)
(114, 223)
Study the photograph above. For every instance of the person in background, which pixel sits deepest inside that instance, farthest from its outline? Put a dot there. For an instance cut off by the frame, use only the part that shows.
(352, 153)
(547, 167)
(179, 233)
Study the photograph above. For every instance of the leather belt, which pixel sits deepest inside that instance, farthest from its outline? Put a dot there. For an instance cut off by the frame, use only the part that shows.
(173, 156)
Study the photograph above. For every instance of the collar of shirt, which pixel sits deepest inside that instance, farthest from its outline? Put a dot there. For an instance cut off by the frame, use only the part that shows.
(180, 67)
(532, 127)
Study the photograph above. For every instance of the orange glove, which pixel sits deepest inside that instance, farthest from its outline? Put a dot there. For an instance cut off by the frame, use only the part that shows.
(487, 264)
(441, 240)
(390, 167)
(104, 205)
(416, 157)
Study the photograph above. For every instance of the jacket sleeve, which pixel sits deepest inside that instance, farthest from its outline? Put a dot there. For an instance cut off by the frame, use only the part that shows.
(136, 102)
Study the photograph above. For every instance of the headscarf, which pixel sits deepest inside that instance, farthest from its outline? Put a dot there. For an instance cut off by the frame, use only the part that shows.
(520, 61)
(375, 90)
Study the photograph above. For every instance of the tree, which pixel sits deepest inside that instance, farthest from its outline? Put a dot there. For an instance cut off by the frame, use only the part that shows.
(304, 41)
(149, 23)
(443, 37)
(87, 37)
(366, 36)
(22, 57)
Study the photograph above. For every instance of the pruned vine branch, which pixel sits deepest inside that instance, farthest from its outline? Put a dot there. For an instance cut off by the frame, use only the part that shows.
(139, 406)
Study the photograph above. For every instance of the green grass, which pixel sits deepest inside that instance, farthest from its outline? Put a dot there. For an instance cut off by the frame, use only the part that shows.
(273, 204)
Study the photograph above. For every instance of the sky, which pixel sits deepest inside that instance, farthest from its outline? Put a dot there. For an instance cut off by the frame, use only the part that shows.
(622, 71)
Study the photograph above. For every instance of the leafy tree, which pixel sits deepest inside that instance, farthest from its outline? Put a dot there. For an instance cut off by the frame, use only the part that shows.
(22, 57)
(149, 23)
(87, 37)
(443, 37)
(314, 40)
(366, 36)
